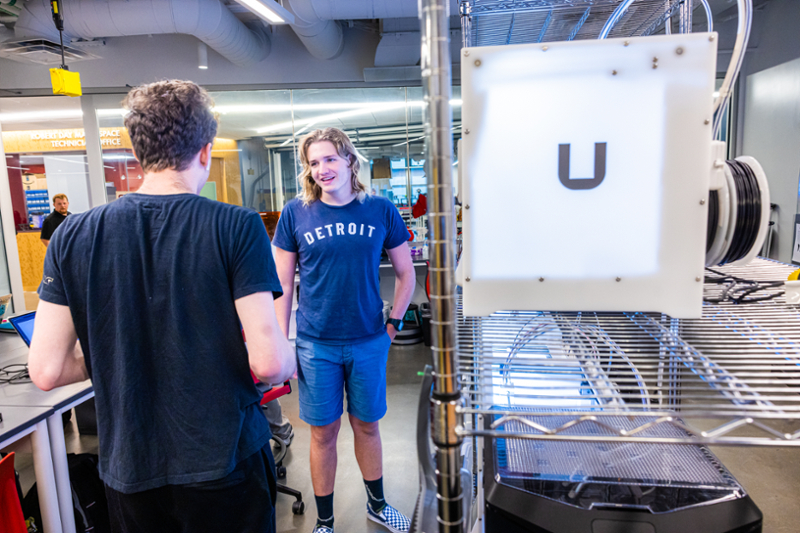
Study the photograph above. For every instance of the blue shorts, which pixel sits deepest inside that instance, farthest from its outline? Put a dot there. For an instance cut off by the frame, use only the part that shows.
(325, 372)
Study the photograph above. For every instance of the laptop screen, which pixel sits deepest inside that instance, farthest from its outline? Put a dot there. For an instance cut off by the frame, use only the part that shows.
(24, 325)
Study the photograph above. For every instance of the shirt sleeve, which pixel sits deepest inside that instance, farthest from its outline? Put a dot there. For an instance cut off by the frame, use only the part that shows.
(47, 229)
(51, 289)
(396, 230)
(284, 232)
(253, 268)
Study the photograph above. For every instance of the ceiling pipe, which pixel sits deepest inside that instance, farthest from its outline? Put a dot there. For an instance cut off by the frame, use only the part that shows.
(316, 25)
(208, 20)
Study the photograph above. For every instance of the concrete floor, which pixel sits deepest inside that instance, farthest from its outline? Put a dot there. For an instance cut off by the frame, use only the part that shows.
(770, 475)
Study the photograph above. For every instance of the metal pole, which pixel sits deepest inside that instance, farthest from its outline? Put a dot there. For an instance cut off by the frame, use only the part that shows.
(437, 118)
(686, 16)
(466, 23)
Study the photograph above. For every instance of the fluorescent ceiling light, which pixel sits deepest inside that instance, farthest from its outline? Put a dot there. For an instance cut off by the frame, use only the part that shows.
(202, 56)
(40, 115)
(334, 116)
(268, 10)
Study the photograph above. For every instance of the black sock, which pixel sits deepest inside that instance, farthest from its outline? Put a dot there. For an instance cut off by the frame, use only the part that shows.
(375, 494)
(325, 510)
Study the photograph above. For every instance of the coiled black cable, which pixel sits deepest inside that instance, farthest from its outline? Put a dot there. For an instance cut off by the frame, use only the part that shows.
(748, 212)
(713, 219)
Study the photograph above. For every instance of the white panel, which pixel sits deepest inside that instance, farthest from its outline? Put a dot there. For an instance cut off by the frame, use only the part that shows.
(633, 242)
(68, 174)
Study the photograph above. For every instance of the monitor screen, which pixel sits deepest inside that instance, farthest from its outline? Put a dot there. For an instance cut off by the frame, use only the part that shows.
(24, 325)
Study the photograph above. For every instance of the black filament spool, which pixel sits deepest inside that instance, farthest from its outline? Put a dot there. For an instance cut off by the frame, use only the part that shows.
(748, 212)
(713, 219)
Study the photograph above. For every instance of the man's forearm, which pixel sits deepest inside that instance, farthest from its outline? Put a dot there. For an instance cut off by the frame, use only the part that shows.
(72, 370)
(283, 307)
(403, 291)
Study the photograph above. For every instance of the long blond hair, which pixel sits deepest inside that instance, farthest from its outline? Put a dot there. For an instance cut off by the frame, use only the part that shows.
(311, 192)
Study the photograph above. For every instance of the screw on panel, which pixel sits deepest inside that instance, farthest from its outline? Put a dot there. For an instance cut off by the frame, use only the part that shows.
(466, 53)
(466, 131)
(613, 72)
(619, 279)
(703, 201)
(655, 65)
(679, 51)
(468, 279)
(698, 278)
(711, 38)
(545, 48)
(477, 62)
(706, 122)
(655, 60)
(541, 279)
(466, 206)
(626, 43)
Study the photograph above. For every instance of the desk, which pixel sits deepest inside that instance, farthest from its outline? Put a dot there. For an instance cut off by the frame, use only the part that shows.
(19, 422)
(28, 396)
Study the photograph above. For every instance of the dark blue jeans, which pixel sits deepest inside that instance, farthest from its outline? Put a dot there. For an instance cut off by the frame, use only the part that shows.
(241, 502)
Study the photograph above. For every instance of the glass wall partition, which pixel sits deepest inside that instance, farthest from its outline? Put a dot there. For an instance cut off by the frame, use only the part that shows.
(45, 152)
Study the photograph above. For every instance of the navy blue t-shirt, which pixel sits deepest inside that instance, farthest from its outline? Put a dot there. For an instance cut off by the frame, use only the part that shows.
(151, 282)
(339, 251)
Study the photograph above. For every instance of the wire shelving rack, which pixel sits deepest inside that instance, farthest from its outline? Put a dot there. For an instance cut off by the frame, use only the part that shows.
(501, 22)
(731, 377)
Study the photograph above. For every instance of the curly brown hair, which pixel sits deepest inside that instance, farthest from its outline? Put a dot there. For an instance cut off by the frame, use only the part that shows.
(169, 122)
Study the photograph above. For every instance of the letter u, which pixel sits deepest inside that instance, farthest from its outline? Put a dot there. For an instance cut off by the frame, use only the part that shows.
(577, 184)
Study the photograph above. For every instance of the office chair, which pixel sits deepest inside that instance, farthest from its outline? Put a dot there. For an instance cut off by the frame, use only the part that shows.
(269, 394)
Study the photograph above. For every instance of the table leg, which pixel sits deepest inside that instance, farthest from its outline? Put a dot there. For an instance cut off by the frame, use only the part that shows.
(45, 479)
(64, 489)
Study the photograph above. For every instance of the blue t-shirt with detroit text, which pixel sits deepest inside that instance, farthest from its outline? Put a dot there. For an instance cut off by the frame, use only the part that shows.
(150, 282)
(339, 251)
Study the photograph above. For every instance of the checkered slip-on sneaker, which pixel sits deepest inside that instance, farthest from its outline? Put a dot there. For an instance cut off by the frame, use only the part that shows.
(319, 528)
(391, 518)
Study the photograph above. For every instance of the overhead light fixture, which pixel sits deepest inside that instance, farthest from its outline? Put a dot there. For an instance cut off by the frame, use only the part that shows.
(269, 10)
(202, 56)
(25, 116)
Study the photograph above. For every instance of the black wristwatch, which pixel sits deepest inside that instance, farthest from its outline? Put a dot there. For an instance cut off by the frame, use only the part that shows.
(396, 322)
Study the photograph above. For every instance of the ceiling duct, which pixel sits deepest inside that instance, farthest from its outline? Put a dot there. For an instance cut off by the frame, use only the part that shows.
(208, 20)
(316, 27)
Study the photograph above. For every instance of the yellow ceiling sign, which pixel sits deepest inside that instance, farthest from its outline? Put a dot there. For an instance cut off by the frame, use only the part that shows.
(62, 140)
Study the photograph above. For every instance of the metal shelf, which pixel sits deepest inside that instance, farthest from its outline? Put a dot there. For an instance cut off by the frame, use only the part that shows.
(500, 22)
(729, 378)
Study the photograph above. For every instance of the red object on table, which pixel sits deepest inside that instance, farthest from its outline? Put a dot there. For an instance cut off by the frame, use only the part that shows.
(421, 207)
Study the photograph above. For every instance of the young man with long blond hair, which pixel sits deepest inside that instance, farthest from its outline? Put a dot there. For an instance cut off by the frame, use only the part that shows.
(336, 232)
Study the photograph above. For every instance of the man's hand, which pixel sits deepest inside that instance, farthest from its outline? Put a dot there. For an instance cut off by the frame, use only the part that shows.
(391, 331)
(272, 358)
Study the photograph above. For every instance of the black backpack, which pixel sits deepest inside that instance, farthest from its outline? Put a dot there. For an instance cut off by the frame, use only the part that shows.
(88, 497)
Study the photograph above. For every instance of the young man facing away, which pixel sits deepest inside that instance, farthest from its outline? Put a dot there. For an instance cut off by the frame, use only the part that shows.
(337, 232)
(154, 286)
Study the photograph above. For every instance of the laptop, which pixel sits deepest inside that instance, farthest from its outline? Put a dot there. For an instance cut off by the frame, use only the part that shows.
(24, 325)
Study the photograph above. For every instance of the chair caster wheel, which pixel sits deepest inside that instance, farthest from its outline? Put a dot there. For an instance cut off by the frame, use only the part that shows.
(281, 472)
(298, 507)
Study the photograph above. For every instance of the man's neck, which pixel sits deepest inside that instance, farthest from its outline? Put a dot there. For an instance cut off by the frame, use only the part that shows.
(168, 181)
(339, 199)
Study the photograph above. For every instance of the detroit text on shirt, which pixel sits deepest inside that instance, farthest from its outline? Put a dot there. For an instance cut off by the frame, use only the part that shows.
(352, 229)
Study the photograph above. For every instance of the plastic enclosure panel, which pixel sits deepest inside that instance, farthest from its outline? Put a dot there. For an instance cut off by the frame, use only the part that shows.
(586, 170)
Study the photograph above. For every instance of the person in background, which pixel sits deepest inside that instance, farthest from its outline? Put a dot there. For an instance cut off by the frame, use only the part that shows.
(336, 231)
(155, 285)
(54, 219)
